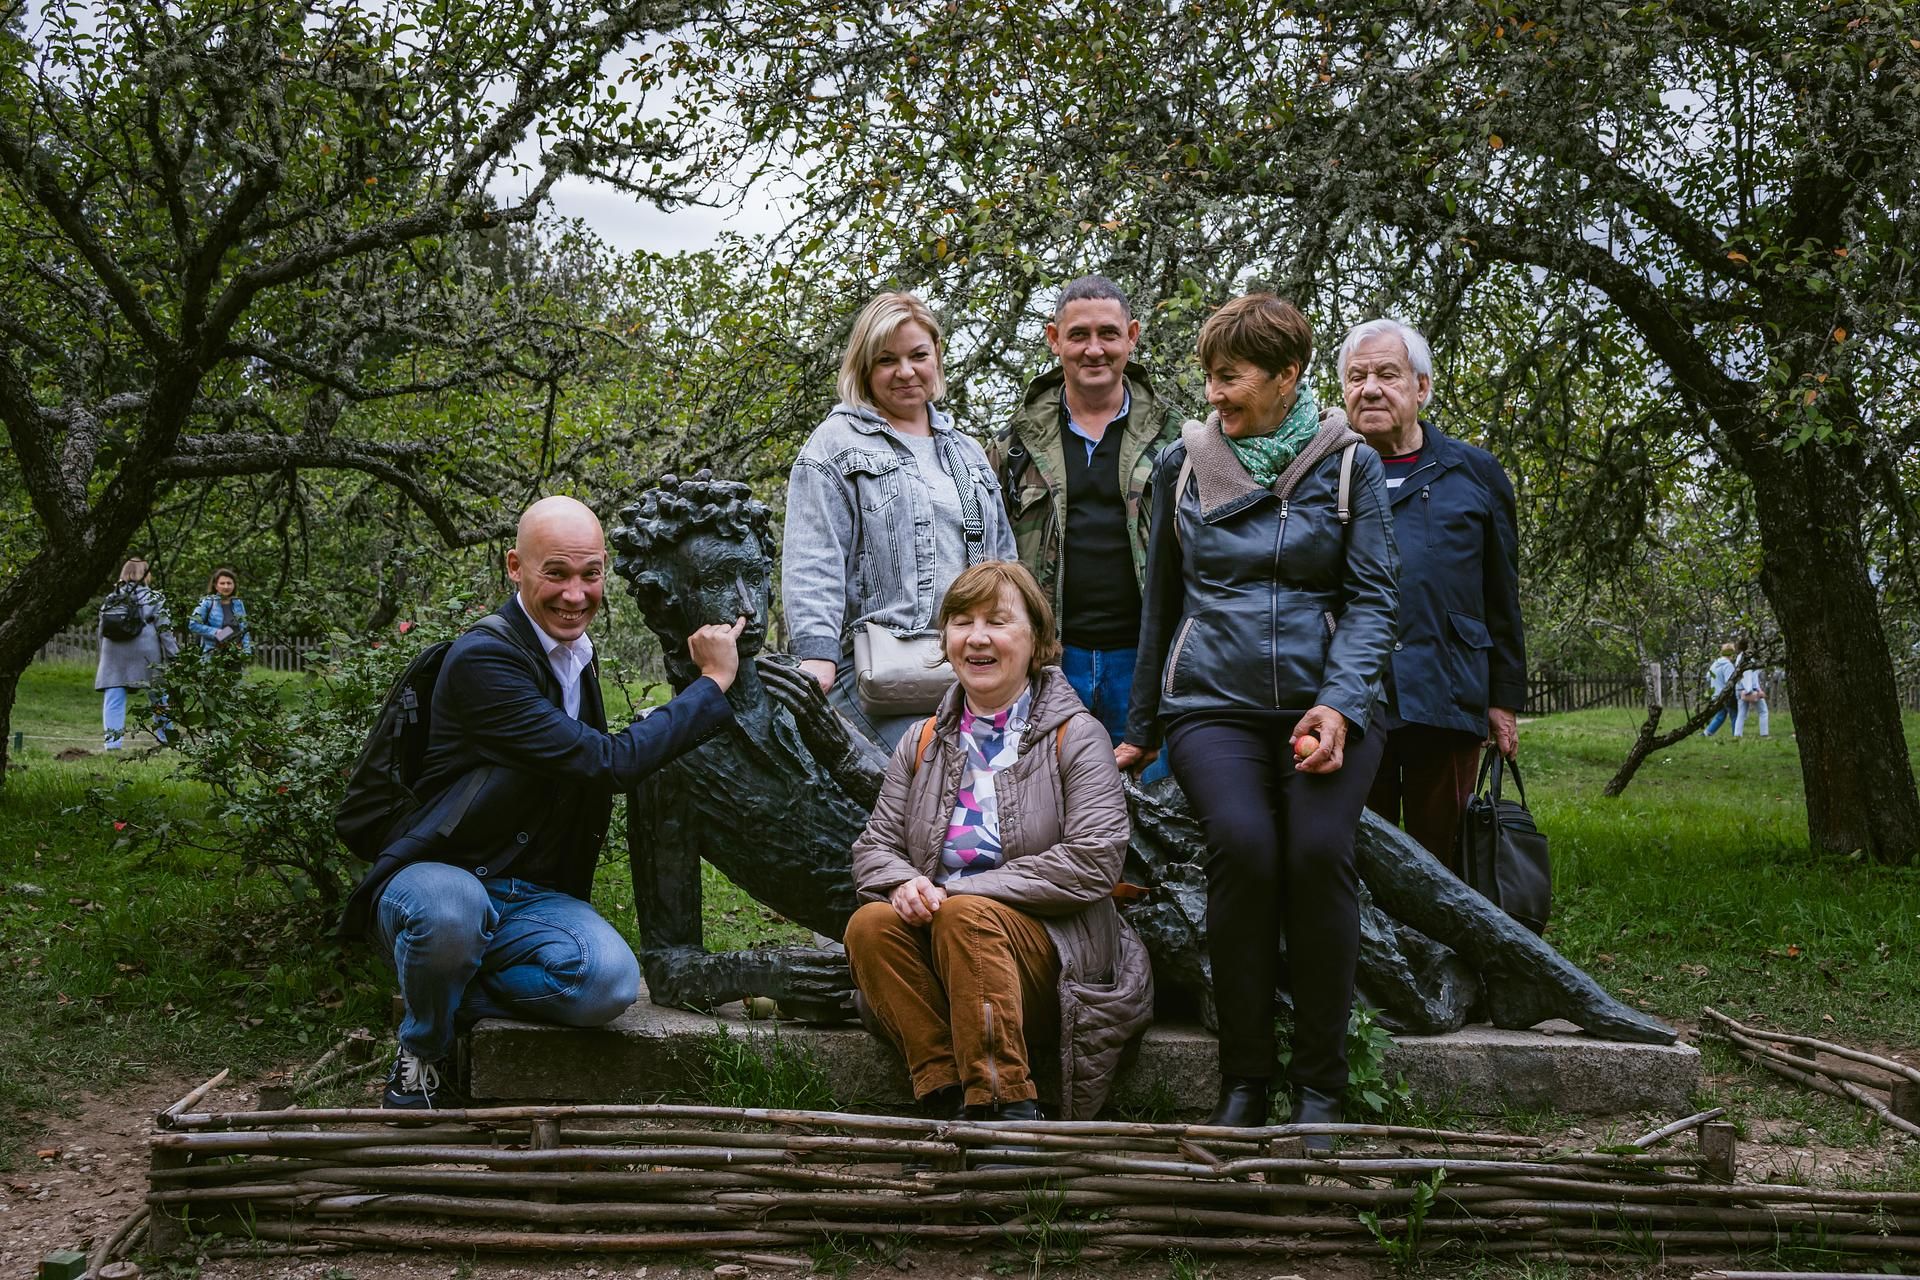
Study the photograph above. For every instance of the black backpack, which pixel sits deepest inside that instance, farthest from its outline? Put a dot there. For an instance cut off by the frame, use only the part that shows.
(122, 617)
(380, 791)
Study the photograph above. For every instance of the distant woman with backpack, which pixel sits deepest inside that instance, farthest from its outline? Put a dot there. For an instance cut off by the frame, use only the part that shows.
(220, 619)
(136, 640)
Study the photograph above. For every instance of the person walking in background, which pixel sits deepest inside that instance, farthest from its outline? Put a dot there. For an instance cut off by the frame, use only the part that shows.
(1073, 465)
(136, 641)
(1457, 674)
(220, 619)
(1717, 676)
(1269, 611)
(886, 504)
(1749, 694)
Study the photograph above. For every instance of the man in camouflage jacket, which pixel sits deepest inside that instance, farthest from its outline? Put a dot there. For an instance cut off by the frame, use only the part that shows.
(1073, 465)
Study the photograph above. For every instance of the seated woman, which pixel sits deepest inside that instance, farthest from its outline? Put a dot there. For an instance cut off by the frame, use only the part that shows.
(987, 872)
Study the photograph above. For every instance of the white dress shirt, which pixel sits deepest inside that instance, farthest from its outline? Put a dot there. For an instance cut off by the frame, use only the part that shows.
(569, 659)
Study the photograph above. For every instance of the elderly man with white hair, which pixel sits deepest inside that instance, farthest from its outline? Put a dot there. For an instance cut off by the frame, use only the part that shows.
(1457, 672)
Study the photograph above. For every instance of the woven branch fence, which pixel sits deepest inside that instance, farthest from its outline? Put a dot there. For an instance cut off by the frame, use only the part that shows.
(602, 1178)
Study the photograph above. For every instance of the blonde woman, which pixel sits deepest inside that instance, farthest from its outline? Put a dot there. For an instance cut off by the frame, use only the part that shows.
(886, 504)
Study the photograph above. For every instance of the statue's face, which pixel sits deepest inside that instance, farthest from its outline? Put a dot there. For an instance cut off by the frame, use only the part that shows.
(717, 578)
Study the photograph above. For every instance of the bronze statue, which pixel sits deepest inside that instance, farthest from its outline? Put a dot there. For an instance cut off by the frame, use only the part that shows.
(775, 800)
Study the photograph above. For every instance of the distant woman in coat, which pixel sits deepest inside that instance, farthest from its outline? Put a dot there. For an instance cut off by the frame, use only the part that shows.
(132, 661)
(1269, 609)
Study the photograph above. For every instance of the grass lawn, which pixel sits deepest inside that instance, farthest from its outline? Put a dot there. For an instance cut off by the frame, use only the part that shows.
(1695, 888)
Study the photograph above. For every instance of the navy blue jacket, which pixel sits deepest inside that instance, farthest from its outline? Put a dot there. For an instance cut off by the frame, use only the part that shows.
(511, 775)
(1461, 647)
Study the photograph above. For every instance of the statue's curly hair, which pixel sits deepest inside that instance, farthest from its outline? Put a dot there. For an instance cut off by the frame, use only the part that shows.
(676, 508)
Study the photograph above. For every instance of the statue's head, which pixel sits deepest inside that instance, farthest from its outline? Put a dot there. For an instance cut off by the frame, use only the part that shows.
(697, 551)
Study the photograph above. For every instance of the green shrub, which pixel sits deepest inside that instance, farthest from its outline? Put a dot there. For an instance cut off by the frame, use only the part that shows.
(275, 757)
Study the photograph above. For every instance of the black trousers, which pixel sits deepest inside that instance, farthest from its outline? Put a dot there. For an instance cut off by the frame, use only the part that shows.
(1280, 854)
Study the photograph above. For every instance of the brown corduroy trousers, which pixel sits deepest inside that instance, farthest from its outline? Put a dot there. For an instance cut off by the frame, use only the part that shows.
(962, 996)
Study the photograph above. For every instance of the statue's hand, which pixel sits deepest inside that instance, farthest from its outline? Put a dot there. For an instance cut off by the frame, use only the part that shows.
(809, 983)
(799, 693)
(856, 764)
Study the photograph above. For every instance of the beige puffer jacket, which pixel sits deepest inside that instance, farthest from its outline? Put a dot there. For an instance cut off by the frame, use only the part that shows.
(1063, 830)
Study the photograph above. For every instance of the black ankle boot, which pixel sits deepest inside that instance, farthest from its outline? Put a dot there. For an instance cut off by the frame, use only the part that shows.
(1024, 1109)
(949, 1103)
(1311, 1106)
(1243, 1102)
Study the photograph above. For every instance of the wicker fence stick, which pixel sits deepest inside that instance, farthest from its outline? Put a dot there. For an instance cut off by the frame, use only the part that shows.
(1887, 1065)
(1802, 1072)
(192, 1098)
(1836, 1071)
(114, 1245)
(821, 1119)
(1678, 1127)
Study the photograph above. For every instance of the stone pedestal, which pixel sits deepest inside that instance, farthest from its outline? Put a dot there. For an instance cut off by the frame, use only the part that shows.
(650, 1053)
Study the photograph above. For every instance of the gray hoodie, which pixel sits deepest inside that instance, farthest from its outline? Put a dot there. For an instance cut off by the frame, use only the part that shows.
(859, 544)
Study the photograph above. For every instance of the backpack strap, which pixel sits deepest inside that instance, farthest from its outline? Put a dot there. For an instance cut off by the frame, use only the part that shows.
(1179, 488)
(1343, 503)
(926, 740)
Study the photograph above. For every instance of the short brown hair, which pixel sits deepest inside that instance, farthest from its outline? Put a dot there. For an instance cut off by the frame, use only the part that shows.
(872, 330)
(213, 580)
(133, 570)
(979, 587)
(1262, 329)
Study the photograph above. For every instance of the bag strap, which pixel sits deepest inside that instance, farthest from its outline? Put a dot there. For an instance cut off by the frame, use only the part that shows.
(1343, 503)
(975, 523)
(1180, 487)
(1500, 766)
(926, 740)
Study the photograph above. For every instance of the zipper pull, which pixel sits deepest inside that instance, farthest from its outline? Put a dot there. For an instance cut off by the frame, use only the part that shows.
(1283, 508)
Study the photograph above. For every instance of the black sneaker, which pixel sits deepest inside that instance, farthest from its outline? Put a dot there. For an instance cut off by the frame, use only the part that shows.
(415, 1084)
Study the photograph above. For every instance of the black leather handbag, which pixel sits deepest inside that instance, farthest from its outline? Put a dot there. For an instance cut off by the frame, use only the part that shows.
(1503, 855)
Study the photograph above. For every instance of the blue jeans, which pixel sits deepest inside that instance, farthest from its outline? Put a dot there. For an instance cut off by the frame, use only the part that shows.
(113, 716)
(466, 948)
(1104, 680)
(1719, 718)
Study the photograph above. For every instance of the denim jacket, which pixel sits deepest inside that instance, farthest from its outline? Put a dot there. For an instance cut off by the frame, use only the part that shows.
(859, 540)
(209, 616)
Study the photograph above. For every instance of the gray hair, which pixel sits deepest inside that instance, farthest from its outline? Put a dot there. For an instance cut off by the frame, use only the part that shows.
(1419, 354)
(1092, 289)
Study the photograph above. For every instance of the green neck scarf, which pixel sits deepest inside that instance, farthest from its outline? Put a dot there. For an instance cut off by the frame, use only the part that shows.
(1265, 457)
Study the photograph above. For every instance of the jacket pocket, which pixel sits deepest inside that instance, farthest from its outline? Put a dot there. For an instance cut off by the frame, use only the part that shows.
(874, 478)
(1472, 632)
(1173, 658)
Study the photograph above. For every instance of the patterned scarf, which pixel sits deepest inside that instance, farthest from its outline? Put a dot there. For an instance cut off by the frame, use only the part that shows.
(1265, 457)
(992, 743)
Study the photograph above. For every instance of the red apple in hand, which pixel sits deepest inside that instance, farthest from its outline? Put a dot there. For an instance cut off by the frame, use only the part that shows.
(1305, 745)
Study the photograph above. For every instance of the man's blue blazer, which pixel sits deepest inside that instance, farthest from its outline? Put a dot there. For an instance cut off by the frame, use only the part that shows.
(510, 778)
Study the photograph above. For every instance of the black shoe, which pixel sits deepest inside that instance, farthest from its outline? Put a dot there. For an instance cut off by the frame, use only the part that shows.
(949, 1103)
(1243, 1102)
(1311, 1106)
(416, 1084)
(1024, 1109)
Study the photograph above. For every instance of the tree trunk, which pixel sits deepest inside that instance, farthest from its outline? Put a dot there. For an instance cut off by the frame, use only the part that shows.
(1846, 713)
(9, 685)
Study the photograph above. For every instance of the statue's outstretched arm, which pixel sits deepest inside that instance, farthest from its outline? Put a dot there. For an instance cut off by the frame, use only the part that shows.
(853, 762)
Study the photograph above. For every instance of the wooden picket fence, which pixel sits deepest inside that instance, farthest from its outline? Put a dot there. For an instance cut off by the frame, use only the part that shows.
(77, 645)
